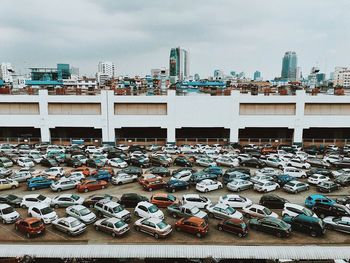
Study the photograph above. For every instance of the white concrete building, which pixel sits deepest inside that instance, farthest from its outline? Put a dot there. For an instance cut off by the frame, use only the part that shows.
(106, 68)
(6, 71)
(342, 77)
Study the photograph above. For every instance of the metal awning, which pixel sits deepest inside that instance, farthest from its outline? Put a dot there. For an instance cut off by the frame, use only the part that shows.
(177, 251)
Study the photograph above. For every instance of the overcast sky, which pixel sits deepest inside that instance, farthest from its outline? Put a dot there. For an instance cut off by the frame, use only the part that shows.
(240, 35)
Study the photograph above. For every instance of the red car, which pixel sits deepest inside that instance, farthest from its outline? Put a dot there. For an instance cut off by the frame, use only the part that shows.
(235, 226)
(30, 226)
(84, 170)
(150, 185)
(163, 200)
(91, 185)
(193, 225)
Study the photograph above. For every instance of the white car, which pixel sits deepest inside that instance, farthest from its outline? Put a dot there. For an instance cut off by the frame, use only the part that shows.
(64, 184)
(235, 201)
(122, 147)
(82, 213)
(171, 150)
(258, 211)
(25, 162)
(8, 214)
(208, 185)
(204, 162)
(294, 210)
(75, 176)
(66, 200)
(274, 161)
(196, 200)
(20, 176)
(332, 158)
(301, 155)
(30, 200)
(35, 157)
(267, 171)
(261, 178)
(124, 178)
(294, 172)
(188, 149)
(44, 212)
(243, 157)
(147, 210)
(340, 172)
(222, 211)
(183, 175)
(283, 153)
(54, 171)
(296, 162)
(69, 225)
(81, 158)
(237, 185)
(91, 149)
(153, 226)
(266, 186)
(227, 161)
(317, 178)
(117, 163)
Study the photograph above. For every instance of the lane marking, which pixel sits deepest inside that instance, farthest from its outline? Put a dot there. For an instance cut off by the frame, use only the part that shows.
(15, 233)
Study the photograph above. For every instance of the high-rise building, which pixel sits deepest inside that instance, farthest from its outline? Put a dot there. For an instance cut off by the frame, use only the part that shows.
(341, 77)
(6, 71)
(106, 67)
(160, 72)
(289, 66)
(218, 74)
(257, 75)
(178, 64)
(63, 71)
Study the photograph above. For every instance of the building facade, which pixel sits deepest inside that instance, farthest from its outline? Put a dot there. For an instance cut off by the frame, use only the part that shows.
(106, 68)
(6, 71)
(257, 75)
(341, 77)
(178, 64)
(289, 66)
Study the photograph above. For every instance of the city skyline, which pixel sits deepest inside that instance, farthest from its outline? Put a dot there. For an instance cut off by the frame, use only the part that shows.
(136, 41)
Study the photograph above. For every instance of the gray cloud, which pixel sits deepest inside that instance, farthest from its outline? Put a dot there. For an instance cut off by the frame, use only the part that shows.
(241, 35)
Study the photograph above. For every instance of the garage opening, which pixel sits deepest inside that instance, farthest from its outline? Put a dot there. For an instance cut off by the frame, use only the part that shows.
(141, 135)
(19, 135)
(202, 135)
(69, 135)
(326, 136)
(259, 136)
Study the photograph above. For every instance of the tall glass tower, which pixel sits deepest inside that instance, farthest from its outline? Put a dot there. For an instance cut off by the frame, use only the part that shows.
(289, 66)
(178, 64)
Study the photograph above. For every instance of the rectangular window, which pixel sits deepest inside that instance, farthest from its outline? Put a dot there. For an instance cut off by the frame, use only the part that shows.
(19, 108)
(267, 109)
(140, 109)
(74, 109)
(327, 109)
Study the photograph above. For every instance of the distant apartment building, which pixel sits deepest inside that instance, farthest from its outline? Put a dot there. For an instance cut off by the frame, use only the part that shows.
(257, 76)
(178, 64)
(341, 77)
(160, 72)
(289, 66)
(106, 68)
(6, 71)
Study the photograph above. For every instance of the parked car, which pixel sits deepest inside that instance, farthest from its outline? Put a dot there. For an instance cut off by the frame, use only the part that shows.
(38, 183)
(4, 172)
(208, 185)
(193, 225)
(5, 162)
(91, 185)
(150, 185)
(30, 227)
(294, 172)
(235, 201)
(323, 210)
(153, 226)
(132, 170)
(33, 199)
(306, 224)
(341, 224)
(163, 200)
(130, 200)
(235, 226)
(42, 211)
(159, 160)
(266, 186)
(258, 211)
(25, 162)
(227, 161)
(253, 162)
(317, 178)
(327, 187)
(228, 177)
(113, 226)
(63, 184)
(267, 171)
(73, 162)
(175, 185)
(69, 225)
(123, 178)
(186, 210)
(66, 200)
(8, 214)
(293, 210)
(343, 180)
(91, 200)
(48, 162)
(10, 199)
(275, 162)
(196, 200)
(316, 162)
(311, 200)
(261, 178)
(322, 171)
(146, 209)
(295, 187)
(223, 211)
(20, 177)
(108, 208)
(117, 163)
(82, 213)
(160, 171)
(296, 162)
(269, 225)
(273, 201)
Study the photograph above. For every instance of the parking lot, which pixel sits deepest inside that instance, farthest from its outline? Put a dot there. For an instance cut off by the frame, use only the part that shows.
(8, 233)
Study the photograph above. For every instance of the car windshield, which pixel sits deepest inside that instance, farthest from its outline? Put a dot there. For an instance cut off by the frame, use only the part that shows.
(307, 212)
(36, 224)
(283, 224)
(84, 212)
(27, 160)
(117, 209)
(195, 210)
(153, 209)
(230, 210)
(267, 211)
(8, 210)
(119, 224)
(75, 197)
(12, 197)
(162, 225)
(46, 210)
(172, 198)
(75, 223)
(41, 197)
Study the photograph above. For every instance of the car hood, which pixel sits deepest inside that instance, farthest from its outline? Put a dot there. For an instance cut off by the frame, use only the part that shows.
(13, 214)
(201, 214)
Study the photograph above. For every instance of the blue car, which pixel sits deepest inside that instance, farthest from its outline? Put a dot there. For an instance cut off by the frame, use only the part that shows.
(317, 198)
(175, 185)
(228, 177)
(283, 179)
(101, 175)
(213, 170)
(38, 183)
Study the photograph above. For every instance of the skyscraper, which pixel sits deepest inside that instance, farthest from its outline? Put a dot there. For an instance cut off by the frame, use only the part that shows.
(289, 66)
(178, 64)
(257, 75)
(6, 71)
(106, 67)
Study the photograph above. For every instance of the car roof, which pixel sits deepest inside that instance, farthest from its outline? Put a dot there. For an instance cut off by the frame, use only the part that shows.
(195, 219)
(189, 206)
(191, 195)
(64, 195)
(145, 203)
(154, 220)
(77, 207)
(69, 219)
(112, 220)
(32, 196)
(220, 205)
(31, 220)
(40, 205)
(2, 206)
(294, 205)
(160, 195)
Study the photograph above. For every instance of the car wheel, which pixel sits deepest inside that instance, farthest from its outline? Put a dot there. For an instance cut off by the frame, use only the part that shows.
(199, 235)
(136, 213)
(303, 167)
(313, 234)
(178, 229)
(265, 191)
(16, 227)
(240, 235)
(86, 190)
(13, 187)
(156, 236)
(220, 228)
(103, 187)
(56, 206)
(278, 234)
(248, 216)
(150, 189)
(59, 190)
(329, 227)
(257, 166)
(206, 190)
(24, 206)
(113, 235)
(243, 164)
(280, 167)
(32, 189)
(211, 215)
(91, 205)
(3, 221)
(322, 216)
(174, 215)
(120, 183)
(173, 190)
(28, 235)
(307, 188)
(96, 228)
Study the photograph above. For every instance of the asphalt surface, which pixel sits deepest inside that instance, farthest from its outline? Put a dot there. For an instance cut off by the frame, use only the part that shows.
(91, 236)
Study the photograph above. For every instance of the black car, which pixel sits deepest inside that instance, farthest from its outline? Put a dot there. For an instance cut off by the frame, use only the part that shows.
(343, 200)
(131, 200)
(140, 162)
(201, 175)
(323, 210)
(161, 171)
(312, 150)
(176, 185)
(48, 162)
(94, 163)
(253, 162)
(343, 180)
(270, 225)
(327, 187)
(91, 200)
(73, 162)
(192, 170)
(238, 169)
(159, 161)
(117, 154)
(306, 224)
(341, 164)
(139, 148)
(287, 148)
(322, 171)
(283, 179)
(273, 201)
(253, 152)
(132, 170)
(182, 161)
(11, 200)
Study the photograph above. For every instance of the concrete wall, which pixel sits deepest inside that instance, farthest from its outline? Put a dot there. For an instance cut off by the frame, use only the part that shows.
(182, 111)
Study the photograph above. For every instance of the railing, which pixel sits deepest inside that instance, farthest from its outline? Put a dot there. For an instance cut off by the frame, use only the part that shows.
(17, 140)
(69, 141)
(141, 141)
(324, 142)
(262, 141)
(191, 141)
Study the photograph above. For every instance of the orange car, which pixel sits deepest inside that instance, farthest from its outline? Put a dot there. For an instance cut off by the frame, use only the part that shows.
(91, 185)
(153, 184)
(84, 170)
(193, 225)
(147, 177)
(30, 226)
(267, 150)
(108, 169)
(163, 200)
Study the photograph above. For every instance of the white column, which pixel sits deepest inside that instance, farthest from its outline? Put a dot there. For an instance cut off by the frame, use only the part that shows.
(234, 123)
(171, 135)
(234, 135)
(298, 135)
(299, 116)
(44, 116)
(107, 111)
(171, 116)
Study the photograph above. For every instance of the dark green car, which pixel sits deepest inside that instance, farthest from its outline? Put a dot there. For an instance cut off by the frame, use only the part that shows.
(272, 226)
(182, 161)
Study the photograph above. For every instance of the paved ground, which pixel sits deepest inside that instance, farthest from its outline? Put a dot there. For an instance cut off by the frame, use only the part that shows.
(9, 235)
